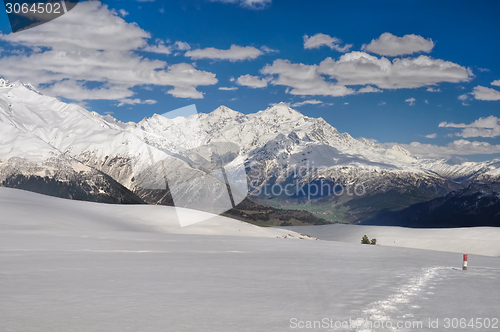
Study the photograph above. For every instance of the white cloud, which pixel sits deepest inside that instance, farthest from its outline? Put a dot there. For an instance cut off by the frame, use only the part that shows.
(484, 93)
(122, 12)
(482, 127)
(73, 32)
(307, 102)
(160, 48)
(497, 83)
(431, 136)
(389, 45)
(251, 4)
(227, 88)
(320, 39)
(410, 101)
(251, 81)
(135, 101)
(303, 79)
(76, 90)
(181, 46)
(187, 91)
(256, 4)
(369, 88)
(459, 147)
(360, 68)
(70, 52)
(266, 49)
(464, 98)
(431, 89)
(234, 53)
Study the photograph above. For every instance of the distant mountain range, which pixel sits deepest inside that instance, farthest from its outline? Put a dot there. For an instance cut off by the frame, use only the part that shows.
(83, 155)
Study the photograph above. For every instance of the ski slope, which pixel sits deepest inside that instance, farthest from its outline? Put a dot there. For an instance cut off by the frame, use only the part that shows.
(79, 266)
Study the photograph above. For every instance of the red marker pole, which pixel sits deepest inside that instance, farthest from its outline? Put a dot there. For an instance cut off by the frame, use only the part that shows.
(464, 266)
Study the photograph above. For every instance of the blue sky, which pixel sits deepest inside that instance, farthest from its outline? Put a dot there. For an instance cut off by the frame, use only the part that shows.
(425, 72)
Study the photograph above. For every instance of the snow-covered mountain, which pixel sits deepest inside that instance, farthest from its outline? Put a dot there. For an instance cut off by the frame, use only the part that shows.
(29, 161)
(42, 136)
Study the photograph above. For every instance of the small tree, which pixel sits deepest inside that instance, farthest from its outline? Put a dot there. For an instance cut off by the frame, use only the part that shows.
(373, 241)
(365, 240)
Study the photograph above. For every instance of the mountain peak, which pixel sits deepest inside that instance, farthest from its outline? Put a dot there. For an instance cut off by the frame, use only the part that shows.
(224, 111)
(4, 83)
(400, 149)
(7, 84)
(282, 111)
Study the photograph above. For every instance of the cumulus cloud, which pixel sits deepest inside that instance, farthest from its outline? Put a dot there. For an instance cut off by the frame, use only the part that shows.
(252, 81)
(234, 53)
(431, 136)
(389, 45)
(307, 102)
(135, 101)
(484, 93)
(320, 39)
(266, 49)
(181, 46)
(431, 89)
(410, 101)
(369, 88)
(464, 98)
(160, 48)
(303, 79)
(223, 88)
(459, 147)
(482, 127)
(360, 68)
(333, 77)
(69, 53)
(497, 83)
(251, 4)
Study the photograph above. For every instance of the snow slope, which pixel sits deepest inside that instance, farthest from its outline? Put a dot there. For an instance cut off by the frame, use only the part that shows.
(65, 266)
(47, 213)
(475, 240)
